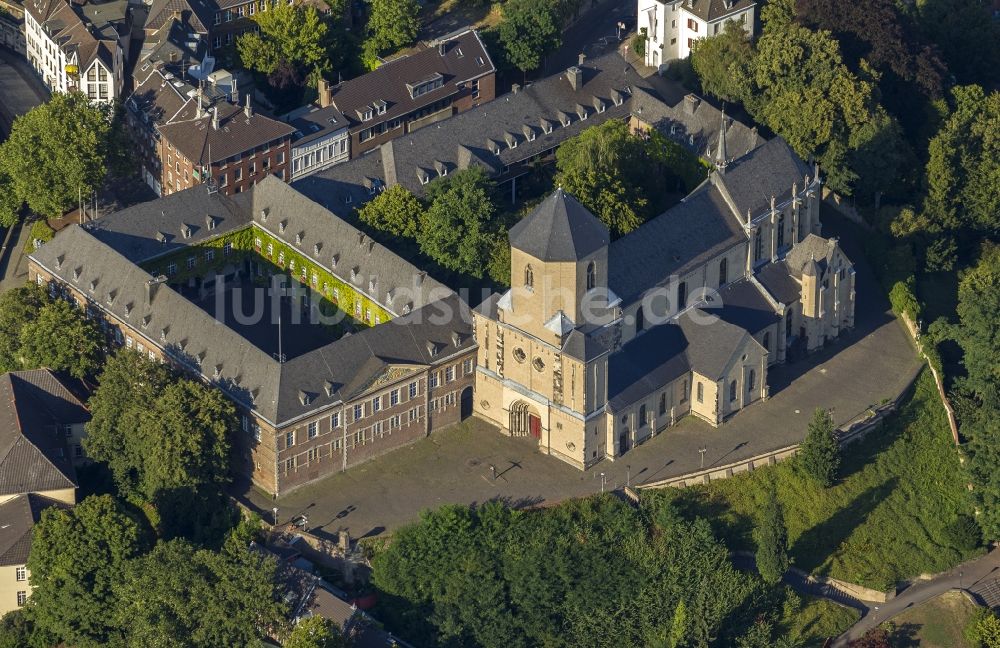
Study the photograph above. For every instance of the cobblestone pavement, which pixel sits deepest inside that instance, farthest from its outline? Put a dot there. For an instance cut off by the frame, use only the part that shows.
(874, 362)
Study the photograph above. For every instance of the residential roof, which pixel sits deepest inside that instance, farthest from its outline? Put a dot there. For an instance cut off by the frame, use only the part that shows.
(18, 517)
(697, 229)
(454, 60)
(90, 31)
(768, 171)
(236, 134)
(712, 10)
(198, 13)
(519, 125)
(438, 325)
(694, 123)
(559, 229)
(33, 455)
(318, 123)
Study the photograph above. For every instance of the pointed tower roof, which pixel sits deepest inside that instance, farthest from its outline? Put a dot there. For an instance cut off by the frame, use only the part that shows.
(722, 155)
(811, 269)
(560, 229)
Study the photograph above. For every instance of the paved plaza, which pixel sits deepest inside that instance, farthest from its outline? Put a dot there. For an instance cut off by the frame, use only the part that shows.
(873, 363)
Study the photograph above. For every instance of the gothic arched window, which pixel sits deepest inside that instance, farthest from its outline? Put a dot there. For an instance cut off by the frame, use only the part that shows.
(701, 392)
(788, 325)
(723, 272)
(591, 275)
(529, 277)
(781, 230)
(640, 320)
(758, 245)
(682, 295)
(767, 341)
(642, 415)
(751, 380)
(732, 391)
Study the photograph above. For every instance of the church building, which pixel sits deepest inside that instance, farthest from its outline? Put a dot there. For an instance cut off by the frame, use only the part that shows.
(600, 345)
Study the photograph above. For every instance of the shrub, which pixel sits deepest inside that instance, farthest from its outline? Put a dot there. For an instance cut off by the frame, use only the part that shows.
(904, 299)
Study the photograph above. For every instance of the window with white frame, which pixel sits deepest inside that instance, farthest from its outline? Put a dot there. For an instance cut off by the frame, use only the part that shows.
(21, 574)
(413, 389)
(312, 430)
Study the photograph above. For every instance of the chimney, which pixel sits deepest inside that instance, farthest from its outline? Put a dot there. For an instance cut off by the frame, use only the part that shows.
(215, 118)
(575, 77)
(442, 48)
(151, 287)
(236, 93)
(198, 114)
(247, 110)
(325, 93)
(580, 59)
(691, 103)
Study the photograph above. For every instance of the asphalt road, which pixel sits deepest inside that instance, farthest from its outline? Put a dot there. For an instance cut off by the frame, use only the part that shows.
(965, 576)
(20, 90)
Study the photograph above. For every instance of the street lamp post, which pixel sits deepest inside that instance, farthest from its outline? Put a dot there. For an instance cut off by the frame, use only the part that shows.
(493, 469)
(602, 482)
(702, 451)
(275, 511)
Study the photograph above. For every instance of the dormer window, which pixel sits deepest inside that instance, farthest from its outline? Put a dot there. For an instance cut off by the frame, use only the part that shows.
(366, 114)
(354, 274)
(380, 107)
(263, 215)
(458, 52)
(333, 260)
(316, 248)
(186, 231)
(281, 226)
(298, 239)
(371, 284)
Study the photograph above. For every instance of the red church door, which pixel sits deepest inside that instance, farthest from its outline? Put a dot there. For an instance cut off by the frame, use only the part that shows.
(535, 425)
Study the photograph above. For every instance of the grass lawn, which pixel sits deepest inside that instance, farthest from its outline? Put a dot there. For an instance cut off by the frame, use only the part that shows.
(889, 518)
(814, 619)
(938, 623)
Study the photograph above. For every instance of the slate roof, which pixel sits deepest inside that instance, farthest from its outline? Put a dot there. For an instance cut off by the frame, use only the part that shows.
(769, 170)
(512, 124)
(559, 229)
(236, 134)
(694, 341)
(694, 123)
(17, 519)
(33, 456)
(133, 231)
(811, 248)
(583, 347)
(198, 13)
(700, 227)
(91, 31)
(465, 58)
(318, 123)
(88, 260)
(157, 97)
(778, 281)
(742, 304)
(712, 10)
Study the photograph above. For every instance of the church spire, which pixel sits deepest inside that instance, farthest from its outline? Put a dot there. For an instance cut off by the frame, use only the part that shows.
(722, 156)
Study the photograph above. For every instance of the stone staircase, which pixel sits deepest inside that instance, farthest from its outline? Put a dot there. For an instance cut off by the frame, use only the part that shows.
(987, 592)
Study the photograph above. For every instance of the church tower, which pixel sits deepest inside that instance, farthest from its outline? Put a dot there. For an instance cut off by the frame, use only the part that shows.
(559, 255)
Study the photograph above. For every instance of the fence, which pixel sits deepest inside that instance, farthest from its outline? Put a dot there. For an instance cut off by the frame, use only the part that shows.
(938, 380)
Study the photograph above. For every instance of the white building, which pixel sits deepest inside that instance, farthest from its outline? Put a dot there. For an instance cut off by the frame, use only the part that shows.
(321, 138)
(672, 26)
(77, 47)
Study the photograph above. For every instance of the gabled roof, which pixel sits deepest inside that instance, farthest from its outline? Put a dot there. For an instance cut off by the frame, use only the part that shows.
(90, 31)
(559, 229)
(460, 141)
(197, 140)
(33, 456)
(464, 58)
(17, 519)
(712, 10)
(769, 170)
(697, 229)
(742, 304)
(198, 13)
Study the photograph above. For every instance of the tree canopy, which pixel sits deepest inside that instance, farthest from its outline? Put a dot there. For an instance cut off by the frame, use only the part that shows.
(209, 598)
(395, 211)
(529, 30)
(459, 226)
(289, 35)
(315, 632)
(589, 572)
(56, 152)
(819, 454)
(61, 338)
(77, 557)
(392, 24)
(18, 306)
(719, 61)
(771, 537)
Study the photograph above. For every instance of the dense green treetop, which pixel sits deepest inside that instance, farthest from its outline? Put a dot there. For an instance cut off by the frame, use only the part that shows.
(56, 152)
(288, 34)
(209, 598)
(18, 306)
(458, 228)
(771, 537)
(395, 211)
(62, 339)
(719, 61)
(392, 24)
(819, 454)
(315, 632)
(77, 557)
(529, 30)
